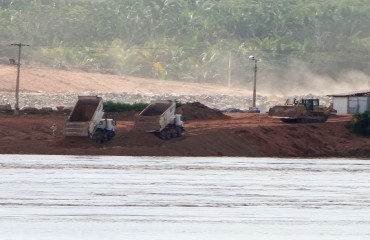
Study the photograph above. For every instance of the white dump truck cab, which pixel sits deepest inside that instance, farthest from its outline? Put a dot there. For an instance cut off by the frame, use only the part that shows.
(179, 121)
(106, 130)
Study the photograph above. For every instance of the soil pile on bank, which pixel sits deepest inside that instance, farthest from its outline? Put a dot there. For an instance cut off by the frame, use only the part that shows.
(190, 111)
(122, 116)
(243, 134)
(198, 111)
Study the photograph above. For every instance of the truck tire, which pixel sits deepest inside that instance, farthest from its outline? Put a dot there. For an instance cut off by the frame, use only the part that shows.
(163, 135)
(104, 137)
(173, 133)
(97, 137)
(101, 136)
(168, 134)
(178, 131)
(110, 134)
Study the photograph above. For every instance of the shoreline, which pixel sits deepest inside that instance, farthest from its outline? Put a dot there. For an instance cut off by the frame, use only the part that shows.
(240, 135)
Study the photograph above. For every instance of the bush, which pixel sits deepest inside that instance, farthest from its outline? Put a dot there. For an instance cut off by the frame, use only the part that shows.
(361, 123)
(178, 104)
(111, 106)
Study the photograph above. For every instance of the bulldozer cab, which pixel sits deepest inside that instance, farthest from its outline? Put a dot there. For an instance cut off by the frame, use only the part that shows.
(310, 104)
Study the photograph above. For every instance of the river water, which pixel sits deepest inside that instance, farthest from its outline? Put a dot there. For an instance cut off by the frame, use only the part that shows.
(84, 197)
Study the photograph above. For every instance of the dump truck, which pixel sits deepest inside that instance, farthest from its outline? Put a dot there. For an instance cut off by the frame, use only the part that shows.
(87, 120)
(160, 118)
(302, 111)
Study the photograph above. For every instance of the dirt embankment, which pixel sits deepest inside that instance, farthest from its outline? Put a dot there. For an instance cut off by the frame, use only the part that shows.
(238, 134)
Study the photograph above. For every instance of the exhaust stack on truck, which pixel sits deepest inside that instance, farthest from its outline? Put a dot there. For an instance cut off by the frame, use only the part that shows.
(86, 120)
(159, 117)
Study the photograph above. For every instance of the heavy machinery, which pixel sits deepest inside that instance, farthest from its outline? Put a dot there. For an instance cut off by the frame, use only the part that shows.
(305, 111)
(159, 117)
(87, 120)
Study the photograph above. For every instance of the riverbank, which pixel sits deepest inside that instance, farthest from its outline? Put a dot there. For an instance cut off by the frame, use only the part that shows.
(240, 134)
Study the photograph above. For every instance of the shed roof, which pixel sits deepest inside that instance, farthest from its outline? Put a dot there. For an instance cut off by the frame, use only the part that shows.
(352, 94)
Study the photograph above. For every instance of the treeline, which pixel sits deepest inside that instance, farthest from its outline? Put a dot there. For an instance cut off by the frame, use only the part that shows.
(191, 40)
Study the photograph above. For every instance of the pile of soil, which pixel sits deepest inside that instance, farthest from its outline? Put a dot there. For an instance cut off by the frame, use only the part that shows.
(122, 116)
(190, 111)
(198, 111)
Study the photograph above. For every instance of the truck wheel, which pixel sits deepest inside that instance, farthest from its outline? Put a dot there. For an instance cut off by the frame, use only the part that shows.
(178, 131)
(162, 135)
(104, 137)
(173, 133)
(111, 134)
(98, 138)
(168, 134)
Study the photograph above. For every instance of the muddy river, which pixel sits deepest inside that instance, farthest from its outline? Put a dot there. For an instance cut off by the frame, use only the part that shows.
(95, 198)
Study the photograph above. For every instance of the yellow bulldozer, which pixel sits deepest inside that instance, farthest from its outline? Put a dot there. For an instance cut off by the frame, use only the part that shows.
(301, 111)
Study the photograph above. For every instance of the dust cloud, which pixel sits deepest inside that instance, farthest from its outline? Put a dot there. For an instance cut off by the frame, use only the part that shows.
(300, 80)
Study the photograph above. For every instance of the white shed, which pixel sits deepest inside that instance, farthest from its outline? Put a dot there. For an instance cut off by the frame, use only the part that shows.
(351, 103)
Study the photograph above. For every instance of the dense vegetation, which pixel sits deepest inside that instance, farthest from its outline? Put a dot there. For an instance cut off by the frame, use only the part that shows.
(361, 123)
(111, 106)
(190, 40)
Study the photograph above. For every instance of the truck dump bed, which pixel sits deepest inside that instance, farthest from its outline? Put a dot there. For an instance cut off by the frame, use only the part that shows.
(156, 109)
(84, 116)
(155, 116)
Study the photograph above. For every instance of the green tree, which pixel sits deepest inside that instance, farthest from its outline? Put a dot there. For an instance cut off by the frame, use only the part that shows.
(361, 123)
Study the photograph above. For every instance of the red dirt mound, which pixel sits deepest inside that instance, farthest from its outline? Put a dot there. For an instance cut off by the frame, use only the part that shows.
(190, 111)
(198, 111)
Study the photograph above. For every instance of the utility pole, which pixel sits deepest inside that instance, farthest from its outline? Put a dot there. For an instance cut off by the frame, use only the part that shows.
(255, 60)
(255, 83)
(16, 108)
(229, 73)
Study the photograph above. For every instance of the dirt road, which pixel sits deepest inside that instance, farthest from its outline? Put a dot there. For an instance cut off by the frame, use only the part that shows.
(42, 79)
